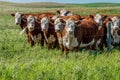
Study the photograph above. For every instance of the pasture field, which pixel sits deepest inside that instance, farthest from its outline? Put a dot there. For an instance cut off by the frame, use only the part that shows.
(18, 61)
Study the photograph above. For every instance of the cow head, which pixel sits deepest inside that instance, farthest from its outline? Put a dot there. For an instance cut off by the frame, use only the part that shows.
(44, 24)
(98, 19)
(30, 22)
(116, 23)
(17, 16)
(59, 24)
(70, 27)
(63, 12)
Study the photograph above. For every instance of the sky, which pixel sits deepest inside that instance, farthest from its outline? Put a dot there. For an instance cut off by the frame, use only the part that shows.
(63, 1)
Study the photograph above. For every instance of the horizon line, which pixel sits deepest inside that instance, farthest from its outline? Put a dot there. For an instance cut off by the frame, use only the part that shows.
(57, 2)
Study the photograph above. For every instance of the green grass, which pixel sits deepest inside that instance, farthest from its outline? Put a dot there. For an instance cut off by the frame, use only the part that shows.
(18, 61)
(97, 4)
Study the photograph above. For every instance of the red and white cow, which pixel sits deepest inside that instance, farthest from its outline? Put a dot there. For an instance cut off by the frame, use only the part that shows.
(35, 34)
(63, 12)
(76, 34)
(115, 30)
(49, 32)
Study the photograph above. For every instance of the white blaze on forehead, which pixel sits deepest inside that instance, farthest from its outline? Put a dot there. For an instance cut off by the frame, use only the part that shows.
(44, 23)
(116, 21)
(58, 24)
(98, 19)
(114, 29)
(57, 21)
(63, 12)
(30, 22)
(17, 18)
(70, 25)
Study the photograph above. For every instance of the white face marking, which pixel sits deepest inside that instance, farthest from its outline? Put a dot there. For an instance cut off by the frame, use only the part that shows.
(116, 22)
(44, 23)
(63, 12)
(17, 18)
(70, 27)
(98, 19)
(114, 28)
(58, 25)
(30, 23)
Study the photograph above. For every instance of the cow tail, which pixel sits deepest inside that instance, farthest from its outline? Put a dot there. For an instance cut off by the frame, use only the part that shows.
(45, 37)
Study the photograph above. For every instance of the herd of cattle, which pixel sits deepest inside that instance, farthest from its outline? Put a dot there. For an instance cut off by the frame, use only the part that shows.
(70, 31)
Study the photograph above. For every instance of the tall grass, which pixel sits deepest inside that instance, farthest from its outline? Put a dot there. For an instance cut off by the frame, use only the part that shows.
(18, 61)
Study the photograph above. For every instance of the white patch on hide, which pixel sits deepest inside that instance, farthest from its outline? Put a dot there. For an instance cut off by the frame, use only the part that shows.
(70, 42)
(88, 44)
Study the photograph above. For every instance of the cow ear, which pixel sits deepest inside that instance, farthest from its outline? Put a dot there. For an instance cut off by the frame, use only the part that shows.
(13, 14)
(104, 17)
(24, 19)
(78, 22)
(51, 22)
(58, 11)
(68, 12)
(91, 16)
(62, 20)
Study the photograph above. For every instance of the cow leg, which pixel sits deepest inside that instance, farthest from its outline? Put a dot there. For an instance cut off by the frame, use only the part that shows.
(42, 42)
(76, 49)
(32, 43)
(66, 51)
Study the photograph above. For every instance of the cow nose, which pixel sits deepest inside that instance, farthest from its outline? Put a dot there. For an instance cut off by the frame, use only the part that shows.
(116, 28)
(43, 29)
(17, 23)
(57, 30)
(70, 32)
(31, 28)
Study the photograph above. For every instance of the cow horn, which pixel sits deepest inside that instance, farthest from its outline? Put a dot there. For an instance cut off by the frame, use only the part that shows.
(23, 31)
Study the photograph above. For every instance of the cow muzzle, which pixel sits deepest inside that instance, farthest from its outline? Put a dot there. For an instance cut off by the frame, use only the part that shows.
(70, 32)
(57, 30)
(17, 23)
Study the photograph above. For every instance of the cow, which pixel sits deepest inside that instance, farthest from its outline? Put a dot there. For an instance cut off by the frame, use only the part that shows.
(115, 30)
(74, 34)
(63, 12)
(59, 23)
(101, 35)
(21, 19)
(49, 32)
(35, 34)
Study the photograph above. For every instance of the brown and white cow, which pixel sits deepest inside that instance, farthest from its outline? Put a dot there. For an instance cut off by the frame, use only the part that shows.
(35, 34)
(63, 12)
(21, 19)
(115, 30)
(59, 24)
(75, 34)
(49, 32)
(101, 35)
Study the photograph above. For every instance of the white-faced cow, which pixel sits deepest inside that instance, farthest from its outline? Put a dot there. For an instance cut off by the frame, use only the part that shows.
(63, 12)
(78, 34)
(49, 32)
(115, 30)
